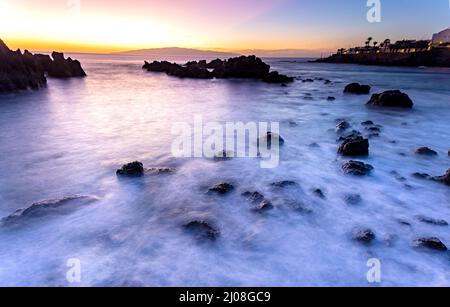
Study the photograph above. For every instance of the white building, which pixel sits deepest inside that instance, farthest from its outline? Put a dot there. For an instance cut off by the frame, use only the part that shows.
(442, 37)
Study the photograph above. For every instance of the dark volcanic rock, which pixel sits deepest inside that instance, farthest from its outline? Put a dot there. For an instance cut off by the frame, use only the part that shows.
(368, 123)
(61, 206)
(356, 88)
(391, 99)
(431, 243)
(63, 68)
(276, 77)
(331, 98)
(445, 179)
(357, 168)
(202, 230)
(263, 206)
(342, 126)
(319, 193)
(254, 197)
(222, 188)
(27, 71)
(365, 236)
(431, 221)
(284, 184)
(421, 176)
(133, 169)
(425, 151)
(19, 72)
(354, 146)
(246, 67)
(159, 170)
(269, 138)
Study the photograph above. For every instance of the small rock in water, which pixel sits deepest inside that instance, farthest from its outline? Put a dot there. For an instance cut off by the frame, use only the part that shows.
(353, 199)
(358, 89)
(421, 176)
(222, 188)
(254, 197)
(299, 207)
(131, 169)
(284, 184)
(159, 170)
(357, 146)
(331, 98)
(319, 193)
(425, 151)
(373, 129)
(342, 126)
(429, 220)
(365, 236)
(263, 206)
(307, 80)
(357, 168)
(445, 179)
(202, 230)
(430, 243)
(269, 138)
(367, 123)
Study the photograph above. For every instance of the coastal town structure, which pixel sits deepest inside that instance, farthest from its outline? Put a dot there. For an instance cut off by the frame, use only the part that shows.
(439, 40)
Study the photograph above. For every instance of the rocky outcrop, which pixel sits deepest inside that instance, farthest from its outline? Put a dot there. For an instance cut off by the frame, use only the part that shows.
(28, 72)
(358, 89)
(19, 71)
(245, 67)
(133, 169)
(61, 67)
(61, 206)
(394, 99)
(357, 168)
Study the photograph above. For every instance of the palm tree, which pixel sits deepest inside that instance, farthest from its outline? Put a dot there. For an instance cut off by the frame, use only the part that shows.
(375, 44)
(369, 39)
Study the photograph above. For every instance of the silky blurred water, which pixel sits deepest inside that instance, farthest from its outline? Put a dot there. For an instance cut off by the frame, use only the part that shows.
(70, 138)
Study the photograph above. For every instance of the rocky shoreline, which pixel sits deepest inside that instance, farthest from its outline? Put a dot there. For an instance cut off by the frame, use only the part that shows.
(27, 71)
(243, 67)
(432, 58)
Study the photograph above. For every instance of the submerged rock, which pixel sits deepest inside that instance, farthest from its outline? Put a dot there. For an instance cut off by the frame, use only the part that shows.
(365, 236)
(395, 99)
(421, 176)
(319, 193)
(431, 221)
(445, 179)
(284, 184)
(202, 230)
(269, 138)
(222, 188)
(342, 126)
(368, 123)
(159, 170)
(356, 168)
(353, 199)
(263, 206)
(61, 206)
(331, 98)
(431, 243)
(133, 169)
(276, 77)
(299, 207)
(425, 151)
(354, 146)
(254, 197)
(356, 88)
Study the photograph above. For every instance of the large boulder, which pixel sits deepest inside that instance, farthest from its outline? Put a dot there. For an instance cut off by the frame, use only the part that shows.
(358, 89)
(394, 99)
(354, 146)
(247, 67)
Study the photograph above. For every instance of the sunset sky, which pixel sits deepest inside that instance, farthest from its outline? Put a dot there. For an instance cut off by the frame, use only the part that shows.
(110, 25)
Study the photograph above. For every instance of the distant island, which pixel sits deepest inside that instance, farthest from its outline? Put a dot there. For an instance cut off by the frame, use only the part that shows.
(178, 52)
(411, 53)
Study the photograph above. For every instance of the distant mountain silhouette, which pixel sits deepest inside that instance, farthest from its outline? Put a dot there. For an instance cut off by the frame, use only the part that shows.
(179, 52)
